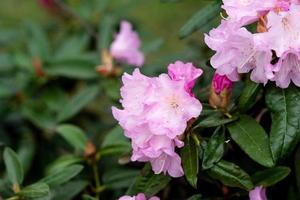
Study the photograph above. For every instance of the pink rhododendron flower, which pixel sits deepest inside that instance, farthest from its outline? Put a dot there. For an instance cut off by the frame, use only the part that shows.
(140, 196)
(239, 51)
(283, 30)
(156, 112)
(247, 11)
(283, 37)
(258, 193)
(126, 46)
(288, 69)
(184, 71)
(221, 83)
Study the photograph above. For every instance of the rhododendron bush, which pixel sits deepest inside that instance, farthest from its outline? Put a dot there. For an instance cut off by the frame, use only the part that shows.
(150, 100)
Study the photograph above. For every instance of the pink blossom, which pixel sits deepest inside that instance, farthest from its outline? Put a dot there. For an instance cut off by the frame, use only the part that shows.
(156, 112)
(258, 193)
(221, 83)
(140, 196)
(287, 69)
(247, 11)
(239, 51)
(184, 71)
(283, 30)
(126, 46)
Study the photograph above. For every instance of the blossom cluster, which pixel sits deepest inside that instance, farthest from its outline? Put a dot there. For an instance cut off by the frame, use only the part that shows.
(140, 196)
(156, 112)
(271, 53)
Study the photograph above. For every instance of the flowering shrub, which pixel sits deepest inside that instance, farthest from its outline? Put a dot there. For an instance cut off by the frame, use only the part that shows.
(107, 100)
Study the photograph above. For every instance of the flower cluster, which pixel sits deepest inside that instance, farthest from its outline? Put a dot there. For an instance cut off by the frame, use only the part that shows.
(125, 47)
(156, 112)
(272, 53)
(140, 196)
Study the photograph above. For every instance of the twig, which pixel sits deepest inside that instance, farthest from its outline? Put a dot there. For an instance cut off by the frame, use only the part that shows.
(261, 114)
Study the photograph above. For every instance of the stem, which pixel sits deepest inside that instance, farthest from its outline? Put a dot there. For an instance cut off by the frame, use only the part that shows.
(97, 180)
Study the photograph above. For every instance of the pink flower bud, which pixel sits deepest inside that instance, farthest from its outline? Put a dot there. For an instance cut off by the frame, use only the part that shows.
(258, 193)
(220, 92)
(221, 83)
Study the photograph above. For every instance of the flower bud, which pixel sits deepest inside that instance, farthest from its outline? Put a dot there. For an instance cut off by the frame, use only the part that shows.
(220, 92)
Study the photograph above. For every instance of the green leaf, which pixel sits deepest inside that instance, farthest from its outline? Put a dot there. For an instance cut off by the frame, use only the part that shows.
(252, 139)
(73, 66)
(195, 197)
(61, 176)
(214, 120)
(285, 110)
(200, 19)
(214, 150)
(73, 135)
(248, 96)
(26, 151)
(68, 190)
(106, 31)
(190, 160)
(78, 102)
(270, 177)
(114, 150)
(231, 175)
(37, 41)
(297, 167)
(13, 166)
(115, 143)
(35, 191)
(148, 183)
(71, 47)
(119, 178)
(63, 162)
(88, 197)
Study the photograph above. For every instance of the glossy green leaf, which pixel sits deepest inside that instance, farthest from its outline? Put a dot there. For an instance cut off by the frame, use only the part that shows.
(63, 162)
(73, 135)
(26, 151)
(78, 102)
(231, 175)
(35, 191)
(63, 175)
(148, 183)
(13, 166)
(214, 150)
(119, 178)
(68, 190)
(200, 19)
(190, 160)
(88, 197)
(248, 96)
(115, 143)
(214, 120)
(285, 110)
(252, 139)
(270, 177)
